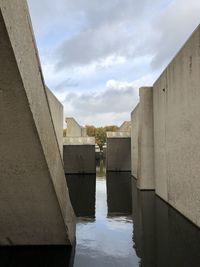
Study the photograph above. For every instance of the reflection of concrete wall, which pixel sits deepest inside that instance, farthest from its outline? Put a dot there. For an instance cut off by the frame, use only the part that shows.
(118, 153)
(145, 140)
(56, 109)
(144, 225)
(79, 158)
(176, 131)
(118, 192)
(162, 236)
(82, 190)
(35, 207)
(134, 141)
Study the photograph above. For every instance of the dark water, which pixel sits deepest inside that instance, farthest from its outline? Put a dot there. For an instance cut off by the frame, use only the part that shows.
(128, 228)
(148, 233)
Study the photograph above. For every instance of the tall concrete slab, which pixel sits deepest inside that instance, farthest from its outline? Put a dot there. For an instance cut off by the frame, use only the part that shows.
(35, 208)
(146, 179)
(176, 99)
(134, 141)
(79, 155)
(74, 129)
(118, 151)
(56, 109)
(125, 127)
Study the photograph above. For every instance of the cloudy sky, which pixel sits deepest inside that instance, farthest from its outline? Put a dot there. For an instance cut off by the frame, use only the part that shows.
(96, 54)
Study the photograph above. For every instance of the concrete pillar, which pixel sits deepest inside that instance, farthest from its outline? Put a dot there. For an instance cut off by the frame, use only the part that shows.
(146, 179)
(35, 207)
(134, 141)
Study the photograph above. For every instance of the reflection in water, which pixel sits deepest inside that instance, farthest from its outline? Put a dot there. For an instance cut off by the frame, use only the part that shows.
(119, 192)
(162, 236)
(105, 241)
(82, 193)
(100, 168)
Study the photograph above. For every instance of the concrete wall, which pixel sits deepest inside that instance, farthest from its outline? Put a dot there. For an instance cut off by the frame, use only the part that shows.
(56, 109)
(118, 153)
(134, 141)
(35, 208)
(79, 159)
(176, 100)
(146, 179)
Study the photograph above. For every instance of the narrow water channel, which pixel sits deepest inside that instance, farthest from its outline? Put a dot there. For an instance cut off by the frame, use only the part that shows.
(107, 239)
(149, 233)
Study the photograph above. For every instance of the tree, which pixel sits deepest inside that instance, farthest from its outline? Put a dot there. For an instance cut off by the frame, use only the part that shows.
(100, 137)
(90, 130)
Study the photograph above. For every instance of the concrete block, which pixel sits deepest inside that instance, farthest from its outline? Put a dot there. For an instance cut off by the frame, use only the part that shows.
(79, 159)
(82, 189)
(125, 127)
(176, 99)
(134, 141)
(74, 129)
(145, 175)
(118, 151)
(119, 184)
(56, 109)
(35, 207)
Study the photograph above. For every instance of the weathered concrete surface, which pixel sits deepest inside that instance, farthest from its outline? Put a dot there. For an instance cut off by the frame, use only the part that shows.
(79, 141)
(146, 179)
(118, 151)
(35, 208)
(176, 100)
(82, 189)
(56, 109)
(74, 129)
(79, 159)
(125, 127)
(134, 141)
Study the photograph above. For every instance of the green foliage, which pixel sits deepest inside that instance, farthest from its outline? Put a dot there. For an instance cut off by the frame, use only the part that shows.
(100, 133)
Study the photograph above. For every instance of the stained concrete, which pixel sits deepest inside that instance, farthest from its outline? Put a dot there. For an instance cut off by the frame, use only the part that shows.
(118, 151)
(79, 159)
(145, 175)
(176, 99)
(134, 141)
(35, 207)
(56, 109)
